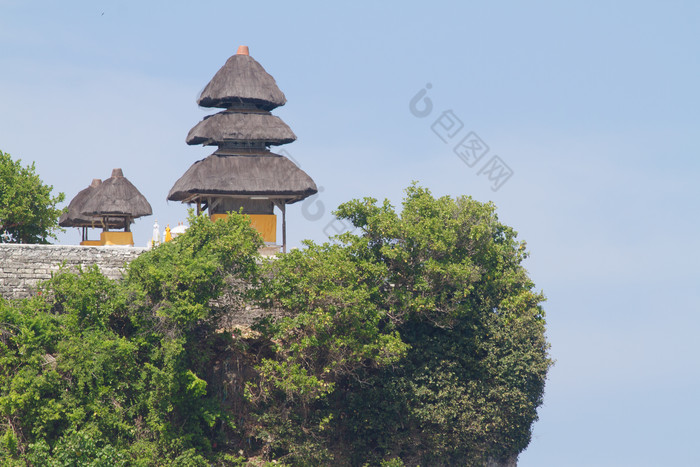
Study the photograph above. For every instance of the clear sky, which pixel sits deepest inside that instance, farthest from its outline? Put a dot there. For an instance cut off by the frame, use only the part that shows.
(591, 107)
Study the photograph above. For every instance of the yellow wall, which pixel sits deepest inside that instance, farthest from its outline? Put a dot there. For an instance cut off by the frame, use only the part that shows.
(117, 238)
(266, 224)
(91, 242)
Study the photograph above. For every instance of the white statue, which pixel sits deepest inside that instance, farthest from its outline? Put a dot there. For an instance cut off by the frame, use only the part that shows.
(155, 240)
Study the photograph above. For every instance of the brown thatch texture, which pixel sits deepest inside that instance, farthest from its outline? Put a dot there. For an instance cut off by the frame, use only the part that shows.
(242, 80)
(117, 196)
(74, 218)
(239, 126)
(268, 175)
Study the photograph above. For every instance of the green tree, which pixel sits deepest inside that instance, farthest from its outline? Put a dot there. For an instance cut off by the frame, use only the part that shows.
(418, 341)
(28, 212)
(420, 338)
(102, 372)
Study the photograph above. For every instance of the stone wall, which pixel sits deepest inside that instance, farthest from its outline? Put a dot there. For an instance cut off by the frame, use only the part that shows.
(23, 266)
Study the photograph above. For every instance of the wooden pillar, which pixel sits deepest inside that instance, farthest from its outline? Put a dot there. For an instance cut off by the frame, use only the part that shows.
(284, 226)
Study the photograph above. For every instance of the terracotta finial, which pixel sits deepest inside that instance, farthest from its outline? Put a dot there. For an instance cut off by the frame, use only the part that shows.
(242, 50)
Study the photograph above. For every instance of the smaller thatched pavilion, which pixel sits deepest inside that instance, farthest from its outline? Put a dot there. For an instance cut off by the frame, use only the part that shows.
(116, 199)
(73, 217)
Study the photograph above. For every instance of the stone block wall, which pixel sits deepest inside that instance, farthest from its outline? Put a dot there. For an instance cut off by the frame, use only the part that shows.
(23, 266)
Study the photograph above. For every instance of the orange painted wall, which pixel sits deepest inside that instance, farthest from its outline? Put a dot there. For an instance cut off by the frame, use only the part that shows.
(266, 224)
(117, 238)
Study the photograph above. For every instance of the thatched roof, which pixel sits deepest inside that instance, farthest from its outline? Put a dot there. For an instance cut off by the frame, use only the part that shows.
(117, 196)
(242, 80)
(256, 174)
(241, 126)
(74, 218)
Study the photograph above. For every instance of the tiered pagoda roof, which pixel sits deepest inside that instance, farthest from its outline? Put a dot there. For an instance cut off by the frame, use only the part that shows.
(236, 126)
(242, 166)
(269, 175)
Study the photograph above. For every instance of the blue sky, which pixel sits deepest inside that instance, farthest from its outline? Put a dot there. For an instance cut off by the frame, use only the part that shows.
(592, 105)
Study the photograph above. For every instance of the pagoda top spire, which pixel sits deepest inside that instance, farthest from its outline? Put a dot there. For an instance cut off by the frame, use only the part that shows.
(242, 83)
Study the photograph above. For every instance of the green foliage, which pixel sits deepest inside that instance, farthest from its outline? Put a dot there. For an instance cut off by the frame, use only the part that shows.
(418, 341)
(171, 319)
(423, 338)
(84, 448)
(28, 212)
(98, 372)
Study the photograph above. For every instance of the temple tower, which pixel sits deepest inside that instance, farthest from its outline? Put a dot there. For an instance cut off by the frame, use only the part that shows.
(243, 173)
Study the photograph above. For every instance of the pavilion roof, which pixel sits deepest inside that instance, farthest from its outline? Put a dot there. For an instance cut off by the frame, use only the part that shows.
(241, 81)
(255, 174)
(117, 196)
(228, 126)
(73, 217)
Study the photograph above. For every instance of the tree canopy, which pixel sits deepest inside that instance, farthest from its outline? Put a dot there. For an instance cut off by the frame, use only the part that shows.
(417, 340)
(28, 212)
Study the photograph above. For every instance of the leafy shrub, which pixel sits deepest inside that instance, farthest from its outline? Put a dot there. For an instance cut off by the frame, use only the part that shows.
(419, 340)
